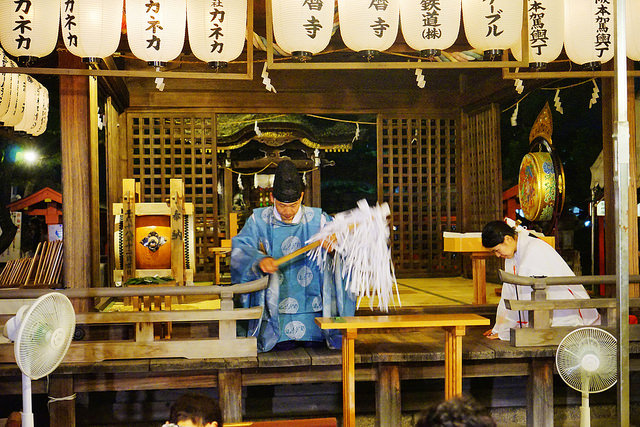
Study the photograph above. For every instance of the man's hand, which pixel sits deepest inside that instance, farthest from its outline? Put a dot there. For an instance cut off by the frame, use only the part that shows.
(329, 243)
(268, 265)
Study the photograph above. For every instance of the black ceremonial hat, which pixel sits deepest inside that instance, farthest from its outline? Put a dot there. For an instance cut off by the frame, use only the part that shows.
(287, 184)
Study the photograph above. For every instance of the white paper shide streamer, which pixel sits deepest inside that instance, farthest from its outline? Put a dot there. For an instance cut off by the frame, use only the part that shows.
(360, 239)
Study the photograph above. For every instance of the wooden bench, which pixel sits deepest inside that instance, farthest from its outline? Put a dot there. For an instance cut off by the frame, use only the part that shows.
(453, 324)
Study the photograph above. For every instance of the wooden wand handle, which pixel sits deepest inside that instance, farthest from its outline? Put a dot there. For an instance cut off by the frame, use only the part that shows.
(300, 251)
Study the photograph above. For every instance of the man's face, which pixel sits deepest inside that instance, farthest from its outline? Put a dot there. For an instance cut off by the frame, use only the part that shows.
(288, 211)
(506, 249)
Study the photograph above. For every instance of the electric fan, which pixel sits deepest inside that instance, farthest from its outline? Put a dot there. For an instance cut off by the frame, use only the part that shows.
(586, 360)
(41, 333)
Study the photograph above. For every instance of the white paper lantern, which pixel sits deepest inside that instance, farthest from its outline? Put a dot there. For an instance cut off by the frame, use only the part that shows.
(36, 118)
(29, 27)
(16, 107)
(369, 25)
(155, 29)
(8, 85)
(546, 32)
(30, 105)
(91, 28)
(41, 124)
(632, 25)
(217, 30)
(430, 26)
(588, 32)
(303, 28)
(492, 25)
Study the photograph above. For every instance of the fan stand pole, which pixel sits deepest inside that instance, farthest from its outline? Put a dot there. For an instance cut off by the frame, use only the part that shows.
(585, 413)
(27, 412)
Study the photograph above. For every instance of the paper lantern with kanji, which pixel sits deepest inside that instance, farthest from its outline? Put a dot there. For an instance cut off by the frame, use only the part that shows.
(492, 26)
(8, 85)
(29, 28)
(369, 26)
(545, 32)
(633, 23)
(430, 26)
(588, 32)
(217, 30)
(91, 29)
(41, 124)
(155, 29)
(16, 106)
(303, 28)
(30, 105)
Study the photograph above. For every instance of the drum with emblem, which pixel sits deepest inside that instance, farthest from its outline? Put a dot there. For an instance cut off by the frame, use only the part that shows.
(153, 242)
(540, 186)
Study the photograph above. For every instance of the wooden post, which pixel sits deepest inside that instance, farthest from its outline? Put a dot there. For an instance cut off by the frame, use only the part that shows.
(76, 178)
(453, 361)
(62, 413)
(228, 201)
(388, 403)
(230, 392)
(540, 393)
(94, 208)
(349, 378)
(479, 275)
(114, 176)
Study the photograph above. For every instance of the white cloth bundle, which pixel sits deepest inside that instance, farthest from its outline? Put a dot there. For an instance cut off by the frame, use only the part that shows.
(360, 239)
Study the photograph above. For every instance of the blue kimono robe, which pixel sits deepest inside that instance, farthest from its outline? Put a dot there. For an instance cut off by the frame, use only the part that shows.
(298, 292)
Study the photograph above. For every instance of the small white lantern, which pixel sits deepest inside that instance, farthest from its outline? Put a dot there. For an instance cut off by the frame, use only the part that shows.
(217, 30)
(155, 29)
(303, 28)
(588, 32)
(632, 25)
(16, 107)
(492, 25)
(30, 105)
(546, 32)
(91, 29)
(369, 26)
(29, 28)
(430, 26)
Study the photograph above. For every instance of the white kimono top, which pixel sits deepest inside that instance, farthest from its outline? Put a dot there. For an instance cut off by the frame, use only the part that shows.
(534, 257)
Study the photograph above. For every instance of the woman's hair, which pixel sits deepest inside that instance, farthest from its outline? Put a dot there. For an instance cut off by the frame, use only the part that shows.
(461, 411)
(493, 233)
(197, 408)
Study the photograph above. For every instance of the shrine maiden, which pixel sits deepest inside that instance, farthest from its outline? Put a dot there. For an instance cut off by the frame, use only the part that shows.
(526, 255)
(298, 291)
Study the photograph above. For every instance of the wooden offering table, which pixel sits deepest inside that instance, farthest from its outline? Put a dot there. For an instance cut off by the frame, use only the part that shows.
(472, 243)
(453, 324)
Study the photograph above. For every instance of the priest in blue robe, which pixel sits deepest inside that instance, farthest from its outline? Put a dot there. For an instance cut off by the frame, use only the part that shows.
(299, 290)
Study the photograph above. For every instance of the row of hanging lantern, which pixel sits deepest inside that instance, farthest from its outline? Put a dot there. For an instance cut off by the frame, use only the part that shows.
(24, 102)
(217, 28)
(303, 28)
(155, 28)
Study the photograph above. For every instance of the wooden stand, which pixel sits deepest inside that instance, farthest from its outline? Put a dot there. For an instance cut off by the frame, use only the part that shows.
(453, 324)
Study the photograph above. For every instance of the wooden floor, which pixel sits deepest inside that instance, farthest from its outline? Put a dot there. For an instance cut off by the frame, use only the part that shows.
(417, 292)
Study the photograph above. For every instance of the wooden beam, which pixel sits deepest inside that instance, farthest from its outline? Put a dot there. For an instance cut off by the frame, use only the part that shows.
(230, 393)
(388, 403)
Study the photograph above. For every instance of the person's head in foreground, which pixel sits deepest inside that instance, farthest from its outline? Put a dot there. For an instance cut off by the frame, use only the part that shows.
(500, 238)
(196, 410)
(461, 411)
(287, 190)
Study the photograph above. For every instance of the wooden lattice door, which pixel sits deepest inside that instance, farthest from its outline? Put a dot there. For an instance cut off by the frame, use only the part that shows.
(417, 177)
(165, 145)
